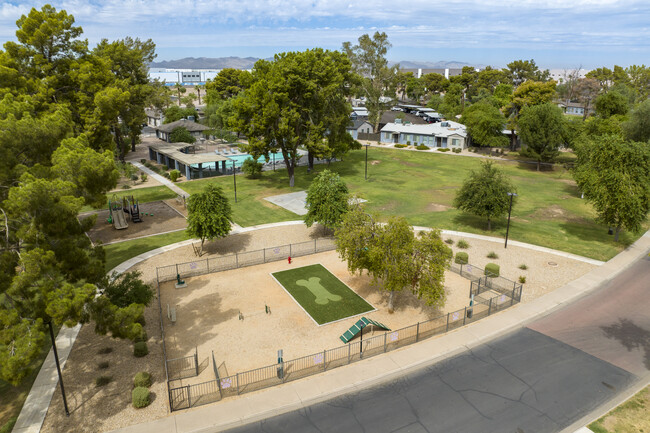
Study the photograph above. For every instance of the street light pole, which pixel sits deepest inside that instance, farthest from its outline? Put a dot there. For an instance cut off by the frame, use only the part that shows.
(234, 178)
(367, 145)
(58, 368)
(510, 194)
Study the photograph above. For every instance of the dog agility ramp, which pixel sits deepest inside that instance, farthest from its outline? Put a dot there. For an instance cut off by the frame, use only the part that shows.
(358, 326)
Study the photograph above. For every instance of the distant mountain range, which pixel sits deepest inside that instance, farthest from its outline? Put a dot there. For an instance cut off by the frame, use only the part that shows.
(248, 62)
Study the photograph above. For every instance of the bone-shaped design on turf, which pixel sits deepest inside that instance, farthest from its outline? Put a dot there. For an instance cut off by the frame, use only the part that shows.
(323, 296)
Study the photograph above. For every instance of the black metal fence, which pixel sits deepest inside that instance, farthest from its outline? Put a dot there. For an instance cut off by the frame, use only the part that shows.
(239, 260)
(187, 396)
(181, 368)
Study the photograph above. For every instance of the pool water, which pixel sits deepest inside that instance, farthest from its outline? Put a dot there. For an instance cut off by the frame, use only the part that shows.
(239, 159)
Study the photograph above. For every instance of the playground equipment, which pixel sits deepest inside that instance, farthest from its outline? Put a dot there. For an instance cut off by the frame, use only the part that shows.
(267, 310)
(115, 214)
(179, 283)
(132, 207)
(358, 327)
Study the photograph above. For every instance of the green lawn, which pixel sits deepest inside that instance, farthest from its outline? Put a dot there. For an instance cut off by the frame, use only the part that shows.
(631, 416)
(143, 195)
(323, 296)
(122, 251)
(421, 187)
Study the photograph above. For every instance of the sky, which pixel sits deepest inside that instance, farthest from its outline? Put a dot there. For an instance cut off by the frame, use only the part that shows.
(556, 33)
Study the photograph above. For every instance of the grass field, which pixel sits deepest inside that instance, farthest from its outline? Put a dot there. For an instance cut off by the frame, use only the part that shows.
(421, 187)
(323, 296)
(631, 417)
(122, 251)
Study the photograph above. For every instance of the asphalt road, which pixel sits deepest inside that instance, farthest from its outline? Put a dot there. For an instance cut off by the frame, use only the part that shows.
(541, 378)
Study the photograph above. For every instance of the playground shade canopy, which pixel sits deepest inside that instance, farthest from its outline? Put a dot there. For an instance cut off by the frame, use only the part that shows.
(358, 326)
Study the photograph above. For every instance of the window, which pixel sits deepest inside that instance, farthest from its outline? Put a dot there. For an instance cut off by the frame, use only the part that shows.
(455, 142)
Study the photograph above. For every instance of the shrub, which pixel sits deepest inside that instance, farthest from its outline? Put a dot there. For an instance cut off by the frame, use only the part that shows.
(127, 186)
(492, 270)
(144, 177)
(462, 244)
(166, 175)
(252, 168)
(401, 146)
(457, 150)
(449, 241)
(140, 349)
(143, 161)
(422, 147)
(461, 258)
(140, 397)
(492, 255)
(522, 279)
(134, 177)
(408, 143)
(103, 365)
(523, 267)
(142, 379)
(174, 175)
(103, 380)
(105, 350)
(443, 149)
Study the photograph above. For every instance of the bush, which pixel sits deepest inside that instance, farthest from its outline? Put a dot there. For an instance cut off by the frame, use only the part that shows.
(422, 147)
(462, 258)
(105, 350)
(140, 349)
(127, 186)
(144, 177)
(408, 143)
(457, 150)
(134, 177)
(449, 241)
(103, 365)
(462, 244)
(443, 149)
(401, 146)
(140, 397)
(492, 270)
(143, 161)
(492, 255)
(103, 380)
(166, 175)
(522, 279)
(523, 267)
(174, 175)
(142, 379)
(252, 168)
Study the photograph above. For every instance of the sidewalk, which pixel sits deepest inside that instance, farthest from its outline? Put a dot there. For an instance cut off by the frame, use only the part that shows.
(168, 183)
(295, 395)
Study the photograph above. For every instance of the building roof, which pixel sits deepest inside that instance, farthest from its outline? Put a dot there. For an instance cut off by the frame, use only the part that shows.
(357, 123)
(433, 129)
(390, 116)
(183, 123)
(172, 150)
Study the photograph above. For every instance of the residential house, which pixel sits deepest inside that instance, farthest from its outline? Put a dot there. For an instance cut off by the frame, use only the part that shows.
(154, 117)
(574, 108)
(445, 134)
(357, 126)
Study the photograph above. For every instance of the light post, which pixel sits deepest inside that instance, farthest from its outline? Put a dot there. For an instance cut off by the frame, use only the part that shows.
(234, 178)
(367, 145)
(58, 367)
(511, 195)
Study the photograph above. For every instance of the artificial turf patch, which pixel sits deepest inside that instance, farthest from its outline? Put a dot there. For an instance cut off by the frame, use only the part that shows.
(323, 296)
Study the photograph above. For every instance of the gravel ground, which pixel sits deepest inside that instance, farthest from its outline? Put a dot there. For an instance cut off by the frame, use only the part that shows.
(107, 408)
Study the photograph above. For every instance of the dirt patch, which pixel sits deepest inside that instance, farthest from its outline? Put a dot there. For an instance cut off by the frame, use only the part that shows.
(375, 162)
(555, 212)
(164, 219)
(177, 204)
(393, 204)
(435, 207)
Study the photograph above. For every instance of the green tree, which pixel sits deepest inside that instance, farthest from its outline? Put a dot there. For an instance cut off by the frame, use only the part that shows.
(297, 100)
(611, 103)
(520, 71)
(327, 200)
(542, 129)
(604, 76)
(485, 124)
(393, 254)
(228, 83)
(180, 89)
(484, 193)
(377, 80)
(638, 127)
(125, 289)
(614, 176)
(180, 134)
(434, 83)
(174, 113)
(452, 102)
(209, 215)
(252, 168)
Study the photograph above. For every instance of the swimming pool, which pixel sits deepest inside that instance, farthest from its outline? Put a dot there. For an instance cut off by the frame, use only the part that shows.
(239, 159)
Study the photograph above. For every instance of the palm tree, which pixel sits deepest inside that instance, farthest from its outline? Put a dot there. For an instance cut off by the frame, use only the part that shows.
(180, 89)
(198, 88)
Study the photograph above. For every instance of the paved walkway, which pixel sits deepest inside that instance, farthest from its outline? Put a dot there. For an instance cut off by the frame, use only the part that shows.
(168, 183)
(318, 388)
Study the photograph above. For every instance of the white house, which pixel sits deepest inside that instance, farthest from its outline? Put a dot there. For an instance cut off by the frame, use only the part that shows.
(195, 129)
(357, 126)
(440, 134)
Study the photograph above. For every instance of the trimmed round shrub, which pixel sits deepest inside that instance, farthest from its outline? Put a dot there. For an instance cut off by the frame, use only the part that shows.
(140, 349)
(461, 258)
(422, 147)
(103, 365)
(443, 149)
(174, 175)
(523, 267)
(492, 270)
(141, 337)
(143, 161)
(140, 397)
(142, 379)
(105, 350)
(144, 177)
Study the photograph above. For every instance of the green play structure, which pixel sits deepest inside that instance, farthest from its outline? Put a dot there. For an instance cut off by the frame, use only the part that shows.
(358, 326)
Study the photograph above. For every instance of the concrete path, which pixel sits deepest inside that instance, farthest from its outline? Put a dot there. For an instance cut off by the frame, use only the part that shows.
(168, 183)
(355, 378)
